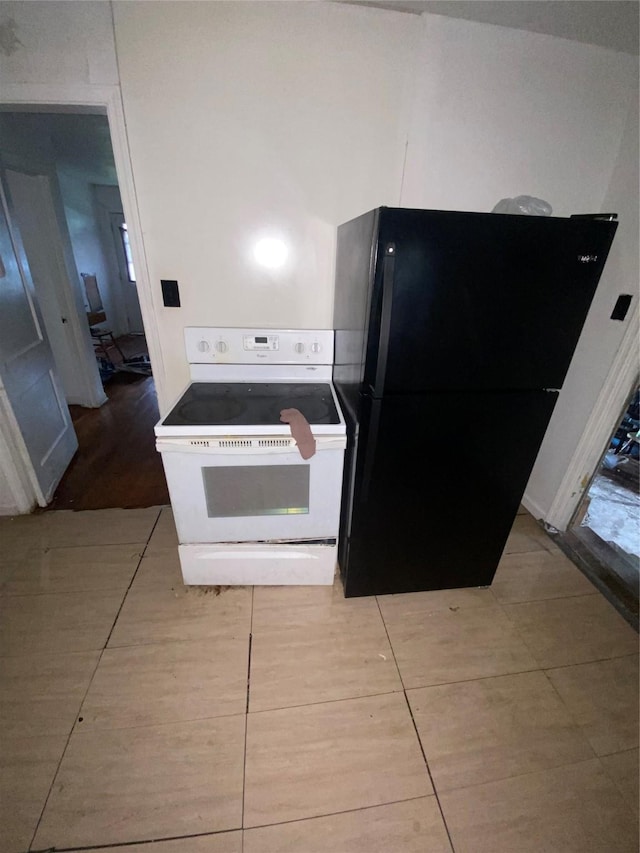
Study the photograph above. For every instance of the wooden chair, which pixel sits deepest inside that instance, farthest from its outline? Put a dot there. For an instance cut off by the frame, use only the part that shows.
(103, 338)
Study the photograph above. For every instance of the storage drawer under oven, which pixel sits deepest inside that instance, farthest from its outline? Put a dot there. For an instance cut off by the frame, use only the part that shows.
(234, 496)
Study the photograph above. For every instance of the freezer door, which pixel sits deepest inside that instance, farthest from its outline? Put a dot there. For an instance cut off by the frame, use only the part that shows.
(432, 487)
(479, 301)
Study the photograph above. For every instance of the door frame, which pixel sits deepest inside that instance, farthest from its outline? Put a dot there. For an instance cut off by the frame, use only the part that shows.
(107, 100)
(598, 429)
(15, 465)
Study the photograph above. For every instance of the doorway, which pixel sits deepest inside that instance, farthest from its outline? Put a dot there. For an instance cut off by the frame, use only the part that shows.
(604, 533)
(67, 160)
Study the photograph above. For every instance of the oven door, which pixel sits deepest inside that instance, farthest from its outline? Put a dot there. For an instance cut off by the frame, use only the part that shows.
(237, 495)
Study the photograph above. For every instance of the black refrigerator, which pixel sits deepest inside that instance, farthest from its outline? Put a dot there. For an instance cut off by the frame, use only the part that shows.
(453, 335)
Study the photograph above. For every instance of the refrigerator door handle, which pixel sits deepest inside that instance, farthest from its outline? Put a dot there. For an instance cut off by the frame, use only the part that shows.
(370, 449)
(388, 267)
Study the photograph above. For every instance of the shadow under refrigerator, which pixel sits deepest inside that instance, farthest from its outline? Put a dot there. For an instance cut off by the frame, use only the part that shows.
(454, 333)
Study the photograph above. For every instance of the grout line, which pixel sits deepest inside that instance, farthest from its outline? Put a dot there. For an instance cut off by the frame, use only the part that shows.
(342, 811)
(551, 598)
(516, 629)
(67, 592)
(125, 844)
(415, 728)
(588, 662)
(246, 718)
(523, 640)
(159, 723)
(249, 671)
(55, 775)
(386, 630)
(537, 668)
(157, 521)
(122, 845)
(618, 752)
(140, 546)
(133, 577)
(325, 702)
(570, 714)
(102, 651)
(475, 678)
(158, 641)
(95, 544)
(538, 772)
(426, 764)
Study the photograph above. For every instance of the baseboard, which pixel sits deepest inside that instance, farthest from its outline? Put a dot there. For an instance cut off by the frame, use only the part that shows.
(534, 508)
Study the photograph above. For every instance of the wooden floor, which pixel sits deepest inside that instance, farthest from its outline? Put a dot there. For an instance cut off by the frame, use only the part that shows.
(117, 464)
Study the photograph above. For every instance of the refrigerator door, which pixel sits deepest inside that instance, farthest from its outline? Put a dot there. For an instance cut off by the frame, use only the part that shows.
(432, 486)
(478, 301)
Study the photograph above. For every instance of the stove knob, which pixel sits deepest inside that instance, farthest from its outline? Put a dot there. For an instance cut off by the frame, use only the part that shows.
(299, 347)
(315, 347)
(222, 346)
(203, 346)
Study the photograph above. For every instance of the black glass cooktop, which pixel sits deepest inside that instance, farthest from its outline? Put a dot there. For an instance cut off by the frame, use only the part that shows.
(246, 404)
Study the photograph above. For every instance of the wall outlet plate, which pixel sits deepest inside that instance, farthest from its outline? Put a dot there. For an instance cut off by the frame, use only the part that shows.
(170, 293)
(621, 307)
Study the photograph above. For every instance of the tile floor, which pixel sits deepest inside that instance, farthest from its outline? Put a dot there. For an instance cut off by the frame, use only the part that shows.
(501, 719)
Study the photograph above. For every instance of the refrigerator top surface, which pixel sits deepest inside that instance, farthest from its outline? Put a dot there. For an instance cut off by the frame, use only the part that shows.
(385, 210)
(443, 300)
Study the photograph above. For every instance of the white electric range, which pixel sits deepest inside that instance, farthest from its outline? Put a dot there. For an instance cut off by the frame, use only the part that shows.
(248, 508)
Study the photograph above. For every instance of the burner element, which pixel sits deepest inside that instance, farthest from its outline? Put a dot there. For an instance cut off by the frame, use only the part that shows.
(315, 406)
(201, 412)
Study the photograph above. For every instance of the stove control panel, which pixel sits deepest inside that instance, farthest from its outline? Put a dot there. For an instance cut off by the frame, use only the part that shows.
(213, 345)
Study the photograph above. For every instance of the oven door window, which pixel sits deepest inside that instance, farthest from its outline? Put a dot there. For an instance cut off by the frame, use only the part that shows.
(250, 490)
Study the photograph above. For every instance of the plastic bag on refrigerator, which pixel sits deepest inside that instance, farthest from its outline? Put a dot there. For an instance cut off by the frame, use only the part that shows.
(525, 205)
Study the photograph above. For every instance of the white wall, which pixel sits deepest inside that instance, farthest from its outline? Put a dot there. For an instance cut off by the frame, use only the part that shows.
(268, 118)
(502, 112)
(61, 41)
(601, 336)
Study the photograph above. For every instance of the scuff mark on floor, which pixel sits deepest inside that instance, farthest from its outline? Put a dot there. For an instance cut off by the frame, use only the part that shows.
(9, 41)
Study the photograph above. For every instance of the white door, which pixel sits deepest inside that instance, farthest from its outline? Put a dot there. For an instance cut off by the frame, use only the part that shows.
(32, 211)
(31, 392)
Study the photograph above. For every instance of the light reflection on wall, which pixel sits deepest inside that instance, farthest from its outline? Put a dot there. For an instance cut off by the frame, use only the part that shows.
(271, 252)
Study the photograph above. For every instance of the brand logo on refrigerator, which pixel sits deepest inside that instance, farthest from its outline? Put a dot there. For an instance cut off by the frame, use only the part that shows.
(587, 259)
